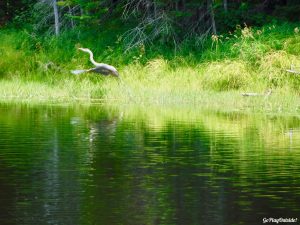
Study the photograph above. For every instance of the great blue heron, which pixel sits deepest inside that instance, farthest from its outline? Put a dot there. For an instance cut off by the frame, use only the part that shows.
(102, 68)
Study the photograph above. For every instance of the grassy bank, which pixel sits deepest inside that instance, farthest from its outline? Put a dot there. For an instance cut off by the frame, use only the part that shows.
(212, 74)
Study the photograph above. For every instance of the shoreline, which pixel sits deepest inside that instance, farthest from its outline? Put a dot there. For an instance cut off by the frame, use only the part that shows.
(225, 101)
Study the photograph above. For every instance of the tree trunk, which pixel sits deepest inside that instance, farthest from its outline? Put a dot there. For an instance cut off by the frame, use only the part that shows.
(71, 14)
(183, 4)
(225, 4)
(56, 17)
(212, 16)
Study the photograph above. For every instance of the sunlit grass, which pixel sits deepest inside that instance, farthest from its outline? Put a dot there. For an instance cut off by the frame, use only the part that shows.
(248, 60)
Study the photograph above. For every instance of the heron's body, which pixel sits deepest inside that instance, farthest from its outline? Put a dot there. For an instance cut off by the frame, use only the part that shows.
(104, 69)
(101, 68)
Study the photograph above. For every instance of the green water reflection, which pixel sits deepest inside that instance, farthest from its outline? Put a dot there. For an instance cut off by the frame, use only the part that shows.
(107, 165)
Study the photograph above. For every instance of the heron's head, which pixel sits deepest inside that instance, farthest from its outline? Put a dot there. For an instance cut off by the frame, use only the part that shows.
(85, 49)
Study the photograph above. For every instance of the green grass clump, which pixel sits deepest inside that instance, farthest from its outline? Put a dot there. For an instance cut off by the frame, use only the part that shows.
(226, 75)
(273, 68)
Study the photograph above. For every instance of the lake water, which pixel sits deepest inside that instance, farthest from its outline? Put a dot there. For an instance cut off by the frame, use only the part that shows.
(78, 165)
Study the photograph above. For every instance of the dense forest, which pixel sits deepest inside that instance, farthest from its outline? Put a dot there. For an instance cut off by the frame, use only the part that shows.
(146, 21)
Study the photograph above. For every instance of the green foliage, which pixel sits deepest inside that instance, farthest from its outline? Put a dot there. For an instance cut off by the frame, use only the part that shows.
(288, 12)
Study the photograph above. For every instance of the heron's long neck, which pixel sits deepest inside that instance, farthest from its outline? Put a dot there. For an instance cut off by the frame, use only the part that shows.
(92, 58)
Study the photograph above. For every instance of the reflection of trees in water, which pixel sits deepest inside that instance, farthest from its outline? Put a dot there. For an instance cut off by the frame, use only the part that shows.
(61, 187)
(109, 170)
(179, 173)
(51, 188)
(8, 196)
(51, 182)
(105, 127)
(146, 177)
(45, 157)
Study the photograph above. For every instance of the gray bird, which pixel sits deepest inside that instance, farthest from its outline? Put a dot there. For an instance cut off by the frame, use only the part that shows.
(102, 68)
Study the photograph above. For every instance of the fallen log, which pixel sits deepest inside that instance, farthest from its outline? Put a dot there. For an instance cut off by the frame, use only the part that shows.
(253, 94)
(293, 71)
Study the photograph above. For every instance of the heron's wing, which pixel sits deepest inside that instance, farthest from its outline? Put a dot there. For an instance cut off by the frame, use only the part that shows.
(106, 69)
(100, 69)
(76, 72)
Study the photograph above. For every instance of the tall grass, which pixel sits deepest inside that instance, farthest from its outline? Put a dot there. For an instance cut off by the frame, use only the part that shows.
(247, 60)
